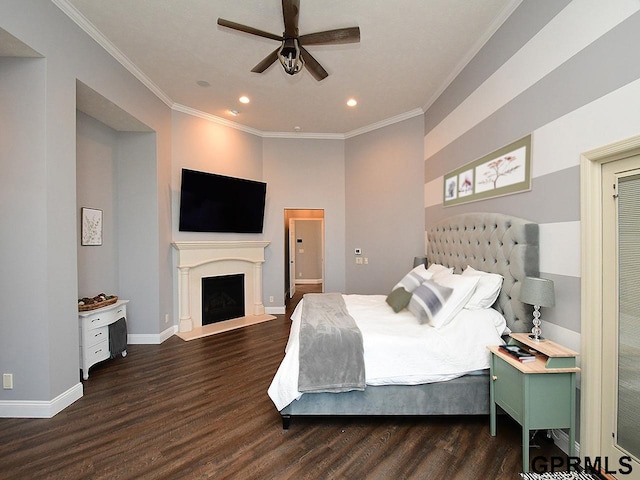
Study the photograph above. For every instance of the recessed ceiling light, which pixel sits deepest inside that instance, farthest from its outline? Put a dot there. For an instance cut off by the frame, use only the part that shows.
(352, 102)
(203, 83)
(244, 99)
(235, 113)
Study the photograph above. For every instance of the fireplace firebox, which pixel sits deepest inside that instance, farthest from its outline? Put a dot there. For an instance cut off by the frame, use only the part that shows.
(222, 298)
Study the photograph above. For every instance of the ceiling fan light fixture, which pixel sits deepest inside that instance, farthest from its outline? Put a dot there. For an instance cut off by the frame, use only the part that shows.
(289, 56)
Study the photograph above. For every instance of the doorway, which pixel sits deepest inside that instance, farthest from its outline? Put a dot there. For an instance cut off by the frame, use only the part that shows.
(621, 313)
(606, 345)
(304, 249)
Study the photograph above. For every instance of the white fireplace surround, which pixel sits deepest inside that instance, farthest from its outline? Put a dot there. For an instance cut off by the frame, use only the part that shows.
(201, 259)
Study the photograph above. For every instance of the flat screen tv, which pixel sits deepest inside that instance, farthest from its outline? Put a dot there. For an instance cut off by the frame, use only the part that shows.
(216, 203)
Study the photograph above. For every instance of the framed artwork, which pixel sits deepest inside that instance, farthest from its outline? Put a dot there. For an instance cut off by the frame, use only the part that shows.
(91, 226)
(502, 172)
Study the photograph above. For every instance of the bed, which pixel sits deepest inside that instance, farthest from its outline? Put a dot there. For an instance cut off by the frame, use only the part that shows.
(487, 242)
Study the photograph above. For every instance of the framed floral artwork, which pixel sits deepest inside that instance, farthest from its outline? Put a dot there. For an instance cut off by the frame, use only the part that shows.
(503, 172)
(91, 226)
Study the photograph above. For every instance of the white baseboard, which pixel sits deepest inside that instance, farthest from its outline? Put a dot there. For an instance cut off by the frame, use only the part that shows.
(151, 338)
(275, 310)
(40, 408)
(308, 281)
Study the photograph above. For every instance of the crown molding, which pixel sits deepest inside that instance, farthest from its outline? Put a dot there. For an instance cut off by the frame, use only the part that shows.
(319, 136)
(474, 50)
(74, 14)
(89, 28)
(384, 123)
(212, 118)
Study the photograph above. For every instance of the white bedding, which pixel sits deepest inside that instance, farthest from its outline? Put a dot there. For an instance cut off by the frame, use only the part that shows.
(399, 350)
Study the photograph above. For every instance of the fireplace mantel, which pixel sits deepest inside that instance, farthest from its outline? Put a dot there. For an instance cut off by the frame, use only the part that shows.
(198, 259)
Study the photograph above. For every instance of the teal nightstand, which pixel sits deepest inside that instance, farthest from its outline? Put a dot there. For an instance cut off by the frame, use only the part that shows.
(539, 395)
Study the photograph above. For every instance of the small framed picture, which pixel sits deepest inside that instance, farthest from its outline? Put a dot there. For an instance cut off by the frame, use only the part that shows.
(91, 226)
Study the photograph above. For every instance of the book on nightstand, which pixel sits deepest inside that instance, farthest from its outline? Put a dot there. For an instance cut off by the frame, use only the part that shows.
(518, 353)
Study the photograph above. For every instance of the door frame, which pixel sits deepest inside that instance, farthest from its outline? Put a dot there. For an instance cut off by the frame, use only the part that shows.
(292, 254)
(591, 327)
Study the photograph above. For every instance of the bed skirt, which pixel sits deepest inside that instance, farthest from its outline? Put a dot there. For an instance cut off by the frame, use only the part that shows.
(467, 395)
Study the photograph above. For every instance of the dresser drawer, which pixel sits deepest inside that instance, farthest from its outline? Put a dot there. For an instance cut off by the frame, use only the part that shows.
(100, 319)
(97, 352)
(96, 335)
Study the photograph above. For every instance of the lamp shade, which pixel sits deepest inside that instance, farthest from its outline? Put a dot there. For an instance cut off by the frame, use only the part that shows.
(538, 291)
(419, 261)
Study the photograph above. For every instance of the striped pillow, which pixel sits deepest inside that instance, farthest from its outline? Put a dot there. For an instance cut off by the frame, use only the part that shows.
(414, 279)
(428, 299)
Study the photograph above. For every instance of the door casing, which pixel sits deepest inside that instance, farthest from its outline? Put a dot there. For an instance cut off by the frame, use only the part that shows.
(591, 163)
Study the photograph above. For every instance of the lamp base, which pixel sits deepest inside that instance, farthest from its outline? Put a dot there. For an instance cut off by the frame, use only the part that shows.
(539, 339)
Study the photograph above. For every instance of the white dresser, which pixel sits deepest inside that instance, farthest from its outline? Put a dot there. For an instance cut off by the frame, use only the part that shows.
(94, 333)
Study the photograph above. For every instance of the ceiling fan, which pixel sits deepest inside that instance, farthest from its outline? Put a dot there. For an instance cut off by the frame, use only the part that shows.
(291, 52)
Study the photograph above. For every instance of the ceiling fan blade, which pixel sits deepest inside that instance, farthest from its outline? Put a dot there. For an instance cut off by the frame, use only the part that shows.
(267, 62)
(338, 36)
(312, 65)
(290, 12)
(243, 28)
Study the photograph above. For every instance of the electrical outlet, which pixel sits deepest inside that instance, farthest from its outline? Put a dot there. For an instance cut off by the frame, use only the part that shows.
(359, 260)
(166, 318)
(366, 260)
(7, 381)
(271, 299)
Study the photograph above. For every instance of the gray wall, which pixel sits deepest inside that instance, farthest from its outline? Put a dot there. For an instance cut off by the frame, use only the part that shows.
(554, 69)
(41, 263)
(96, 155)
(384, 205)
(138, 266)
(572, 84)
(115, 172)
(304, 174)
(24, 336)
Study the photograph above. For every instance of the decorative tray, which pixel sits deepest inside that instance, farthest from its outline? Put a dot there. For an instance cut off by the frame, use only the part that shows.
(99, 301)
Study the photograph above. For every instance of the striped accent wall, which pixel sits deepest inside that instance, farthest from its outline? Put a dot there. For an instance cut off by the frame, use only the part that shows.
(568, 73)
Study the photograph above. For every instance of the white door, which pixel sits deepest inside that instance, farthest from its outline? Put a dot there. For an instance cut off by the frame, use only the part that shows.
(621, 317)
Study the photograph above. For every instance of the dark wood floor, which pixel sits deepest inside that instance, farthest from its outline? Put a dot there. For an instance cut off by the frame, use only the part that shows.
(199, 409)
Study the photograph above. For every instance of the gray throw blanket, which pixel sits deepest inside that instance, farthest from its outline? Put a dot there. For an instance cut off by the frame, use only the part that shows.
(331, 348)
(118, 337)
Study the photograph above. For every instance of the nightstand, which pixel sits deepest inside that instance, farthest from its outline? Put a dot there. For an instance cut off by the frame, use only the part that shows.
(539, 395)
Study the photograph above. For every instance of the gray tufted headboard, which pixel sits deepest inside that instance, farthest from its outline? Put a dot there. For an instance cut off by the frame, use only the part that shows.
(495, 243)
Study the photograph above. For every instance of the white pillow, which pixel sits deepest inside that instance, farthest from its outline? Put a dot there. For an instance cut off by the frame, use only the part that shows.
(498, 321)
(414, 279)
(463, 288)
(487, 290)
(437, 270)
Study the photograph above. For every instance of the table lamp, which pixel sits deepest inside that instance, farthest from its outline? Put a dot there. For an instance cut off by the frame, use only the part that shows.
(419, 261)
(539, 293)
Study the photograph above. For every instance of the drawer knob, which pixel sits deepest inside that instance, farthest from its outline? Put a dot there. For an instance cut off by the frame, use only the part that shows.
(494, 378)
